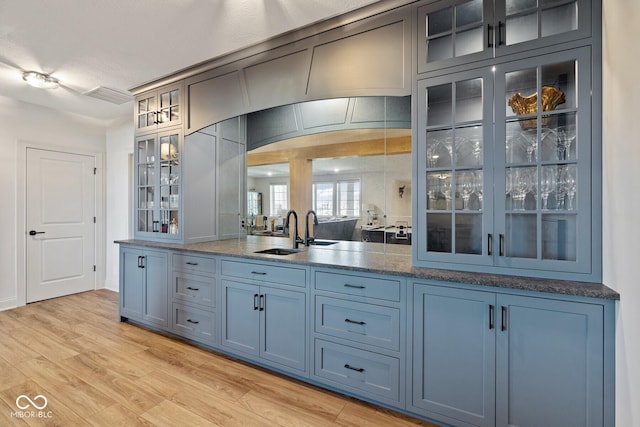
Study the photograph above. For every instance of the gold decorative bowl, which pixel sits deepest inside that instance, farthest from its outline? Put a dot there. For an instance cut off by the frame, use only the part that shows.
(551, 98)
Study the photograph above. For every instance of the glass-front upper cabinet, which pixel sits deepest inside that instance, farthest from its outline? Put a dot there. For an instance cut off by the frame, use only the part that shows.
(157, 197)
(455, 164)
(543, 162)
(455, 32)
(504, 168)
(159, 108)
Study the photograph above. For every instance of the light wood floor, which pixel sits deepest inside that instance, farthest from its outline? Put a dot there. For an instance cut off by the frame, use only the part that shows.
(94, 370)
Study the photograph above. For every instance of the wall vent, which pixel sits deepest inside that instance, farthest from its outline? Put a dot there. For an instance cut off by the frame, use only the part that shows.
(110, 95)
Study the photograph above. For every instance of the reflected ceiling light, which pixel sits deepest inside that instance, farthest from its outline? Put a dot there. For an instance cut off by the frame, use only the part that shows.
(40, 80)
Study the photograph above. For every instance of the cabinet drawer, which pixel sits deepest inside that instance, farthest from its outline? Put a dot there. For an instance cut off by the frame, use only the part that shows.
(193, 288)
(365, 323)
(374, 374)
(265, 272)
(193, 323)
(194, 263)
(387, 289)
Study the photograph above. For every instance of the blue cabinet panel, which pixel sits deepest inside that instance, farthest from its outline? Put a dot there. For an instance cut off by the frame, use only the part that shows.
(550, 363)
(454, 355)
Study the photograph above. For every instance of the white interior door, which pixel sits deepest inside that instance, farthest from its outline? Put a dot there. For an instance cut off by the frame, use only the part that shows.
(60, 231)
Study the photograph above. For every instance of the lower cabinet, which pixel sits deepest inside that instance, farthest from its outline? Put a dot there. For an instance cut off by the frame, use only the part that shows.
(193, 291)
(453, 354)
(359, 335)
(484, 359)
(143, 286)
(266, 323)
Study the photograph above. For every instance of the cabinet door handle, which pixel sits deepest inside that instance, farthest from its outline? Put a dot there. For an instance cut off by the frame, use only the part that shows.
(355, 322)
(501, 244)
(262, 301)
(193, 289)
(346, 365)
(255, 301)
(490, 244)
(492, 316)
(141, 261)
(504, 318)
(489, 35)
(195, 322)
(500, 28)
(191, 263)
(259, 273)
(347, 285)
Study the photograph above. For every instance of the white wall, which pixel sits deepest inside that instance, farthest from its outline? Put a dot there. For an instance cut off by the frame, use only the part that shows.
(621, 194)
(119, 149)
(25, 123)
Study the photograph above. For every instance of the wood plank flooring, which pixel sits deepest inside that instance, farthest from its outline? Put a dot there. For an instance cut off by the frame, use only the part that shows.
(94, 370)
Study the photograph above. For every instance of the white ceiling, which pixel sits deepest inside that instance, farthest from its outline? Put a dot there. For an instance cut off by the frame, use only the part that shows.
(121, 44)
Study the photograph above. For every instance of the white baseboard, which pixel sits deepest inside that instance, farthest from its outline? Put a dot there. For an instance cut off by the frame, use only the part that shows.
(112, 286)
(8, 304)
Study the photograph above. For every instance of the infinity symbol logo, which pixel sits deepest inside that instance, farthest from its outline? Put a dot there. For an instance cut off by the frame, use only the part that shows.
(20, 402)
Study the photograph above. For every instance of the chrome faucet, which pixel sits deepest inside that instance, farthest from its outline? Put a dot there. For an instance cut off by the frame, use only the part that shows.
(296, 236)
(308, 239)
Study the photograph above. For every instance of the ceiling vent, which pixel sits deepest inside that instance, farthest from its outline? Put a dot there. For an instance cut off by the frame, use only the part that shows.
(109, 95)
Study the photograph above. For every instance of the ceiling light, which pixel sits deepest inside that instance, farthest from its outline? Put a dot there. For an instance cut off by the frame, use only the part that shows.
(40, 80)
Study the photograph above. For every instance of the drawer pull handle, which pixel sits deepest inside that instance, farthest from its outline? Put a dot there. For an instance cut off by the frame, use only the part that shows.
(260, 273)
(195, 322)
(193, 289)
(355, 322)
(353, 369)
(191, 263)
(347, 285)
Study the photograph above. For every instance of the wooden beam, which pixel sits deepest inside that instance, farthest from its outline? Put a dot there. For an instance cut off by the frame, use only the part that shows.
(399, 145)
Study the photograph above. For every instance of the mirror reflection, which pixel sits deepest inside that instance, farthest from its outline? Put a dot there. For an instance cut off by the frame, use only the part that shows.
(349, 162)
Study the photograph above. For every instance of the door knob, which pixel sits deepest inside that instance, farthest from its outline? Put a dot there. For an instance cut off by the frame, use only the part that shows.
(34, 232)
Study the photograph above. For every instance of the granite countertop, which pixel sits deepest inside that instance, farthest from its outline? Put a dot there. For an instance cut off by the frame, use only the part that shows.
(378, 258)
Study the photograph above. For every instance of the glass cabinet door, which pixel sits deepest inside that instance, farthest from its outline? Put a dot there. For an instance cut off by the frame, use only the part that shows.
(146, 115)
(455, 168)
(147, 221)
(537, 22)
(169, 183)
(158, 108)
(169, 105)
(454, 32)
(157, 197)
(543, 150)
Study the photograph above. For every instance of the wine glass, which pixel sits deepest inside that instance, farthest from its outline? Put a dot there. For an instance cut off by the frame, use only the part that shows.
(566, 137)
(530, 137)
(464, 186)
(548, 184)
(520, 182)
(567, 184)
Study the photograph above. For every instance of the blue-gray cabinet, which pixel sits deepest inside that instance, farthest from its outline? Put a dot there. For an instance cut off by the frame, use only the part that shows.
(159, 108)
(549, 352)
(358, 343)
(454, 349)
(143, 285)
(264, 314)
(194, 297)
(483, 359)
(458, 32)
(505, 171)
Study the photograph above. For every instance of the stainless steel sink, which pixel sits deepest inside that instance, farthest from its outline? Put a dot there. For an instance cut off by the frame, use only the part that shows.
(278, 251)
(321, 243)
